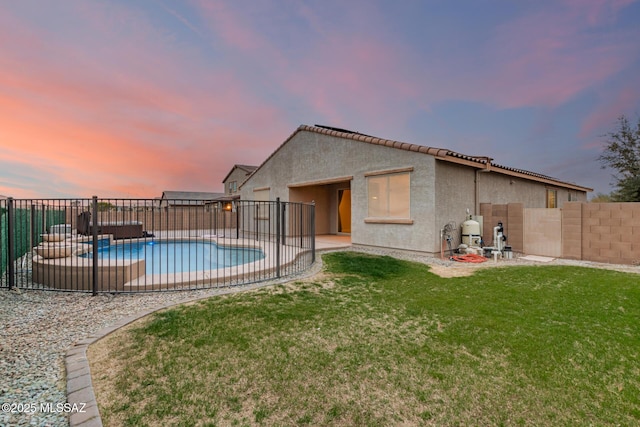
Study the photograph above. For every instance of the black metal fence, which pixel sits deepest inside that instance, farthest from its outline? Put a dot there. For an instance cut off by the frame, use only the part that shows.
(142, 245)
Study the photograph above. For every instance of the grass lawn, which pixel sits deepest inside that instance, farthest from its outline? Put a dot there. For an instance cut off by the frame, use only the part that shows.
(376, 341)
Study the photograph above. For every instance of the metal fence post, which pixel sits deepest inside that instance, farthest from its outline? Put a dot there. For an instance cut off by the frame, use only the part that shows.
(236, 207)
(94, 232)
(313, 231)
(34, 228)
(277, 236)
(283, 228)
(301, 226)
(11, 243)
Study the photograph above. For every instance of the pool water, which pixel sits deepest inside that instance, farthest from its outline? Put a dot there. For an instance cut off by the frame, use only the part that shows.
(179, 256)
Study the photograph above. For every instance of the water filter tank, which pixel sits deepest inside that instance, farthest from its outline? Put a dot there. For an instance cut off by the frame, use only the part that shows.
(471, 233)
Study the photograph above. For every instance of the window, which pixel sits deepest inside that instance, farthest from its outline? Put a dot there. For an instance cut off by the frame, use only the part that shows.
(552, 198)
(261, 194)
(262, 209)
(388, 196)
(233, 187)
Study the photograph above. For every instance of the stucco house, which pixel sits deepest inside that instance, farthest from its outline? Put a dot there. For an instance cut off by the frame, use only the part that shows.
(176, 199)
(393, 194)
(236, 176)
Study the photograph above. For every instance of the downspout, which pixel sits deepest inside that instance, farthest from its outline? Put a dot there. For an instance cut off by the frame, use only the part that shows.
(486, 168)
(476, 201)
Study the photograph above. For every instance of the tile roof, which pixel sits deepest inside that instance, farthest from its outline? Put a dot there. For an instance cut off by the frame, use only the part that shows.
(480, 162)
(190, 197)
(248, 169)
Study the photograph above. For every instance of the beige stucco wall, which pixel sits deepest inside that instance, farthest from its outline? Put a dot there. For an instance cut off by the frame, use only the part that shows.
(308, 167)
(237, 175)
(502, 189)
(309, 157)
(456, 192)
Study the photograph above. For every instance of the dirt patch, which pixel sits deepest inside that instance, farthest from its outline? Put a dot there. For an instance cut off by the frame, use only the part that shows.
(458, 269)
(453, 271)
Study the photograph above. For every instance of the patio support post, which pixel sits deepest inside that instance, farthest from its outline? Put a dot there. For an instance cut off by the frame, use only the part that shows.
(11, 243)
(94, 232)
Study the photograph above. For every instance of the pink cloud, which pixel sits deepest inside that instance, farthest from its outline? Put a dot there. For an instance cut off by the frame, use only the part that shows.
(355, 75)
(598, 12)
(547, 58)
(602, 120)
(125, 121)
(228, 24)
(335, 73)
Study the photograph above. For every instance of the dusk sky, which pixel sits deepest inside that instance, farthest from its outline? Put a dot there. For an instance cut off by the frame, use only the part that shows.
(131, 98)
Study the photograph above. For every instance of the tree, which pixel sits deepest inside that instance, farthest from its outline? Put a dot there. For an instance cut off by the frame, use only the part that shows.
(622, 153)
(601, 198)
(105, 206)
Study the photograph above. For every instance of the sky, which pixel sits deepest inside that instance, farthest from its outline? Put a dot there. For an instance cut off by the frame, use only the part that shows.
(132, 98)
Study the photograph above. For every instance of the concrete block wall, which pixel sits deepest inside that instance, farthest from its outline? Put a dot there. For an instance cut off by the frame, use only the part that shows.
(610, 232)
(600, 232)
(512, 218)
(572, 230)
(515, 219)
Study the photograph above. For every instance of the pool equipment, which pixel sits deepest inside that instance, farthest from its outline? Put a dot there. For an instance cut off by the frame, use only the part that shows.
(471, 232)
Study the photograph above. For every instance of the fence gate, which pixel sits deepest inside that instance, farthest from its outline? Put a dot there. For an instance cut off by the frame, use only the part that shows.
(543, 232)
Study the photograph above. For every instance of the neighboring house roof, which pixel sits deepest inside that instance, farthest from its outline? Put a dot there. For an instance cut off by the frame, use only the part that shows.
(189, 197)
(478, 162)
(246, 168)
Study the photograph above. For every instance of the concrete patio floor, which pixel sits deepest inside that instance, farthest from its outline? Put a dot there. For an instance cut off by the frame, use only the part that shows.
(332, 241)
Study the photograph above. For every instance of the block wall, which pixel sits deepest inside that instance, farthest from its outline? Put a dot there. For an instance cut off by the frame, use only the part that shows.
(512, 218)
(600, 232)
(610, 232)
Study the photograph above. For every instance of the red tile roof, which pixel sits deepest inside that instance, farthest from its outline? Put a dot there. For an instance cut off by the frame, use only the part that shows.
(443, 154)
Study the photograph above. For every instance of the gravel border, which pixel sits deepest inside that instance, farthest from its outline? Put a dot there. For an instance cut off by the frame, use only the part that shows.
(45, 336)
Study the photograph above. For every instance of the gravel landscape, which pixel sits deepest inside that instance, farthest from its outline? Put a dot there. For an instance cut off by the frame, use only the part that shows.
(39, 326)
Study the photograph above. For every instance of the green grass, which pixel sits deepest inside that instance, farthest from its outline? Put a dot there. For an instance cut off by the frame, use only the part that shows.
(379, 342)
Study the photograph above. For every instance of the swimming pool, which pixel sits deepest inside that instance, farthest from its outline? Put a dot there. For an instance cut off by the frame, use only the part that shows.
(178, 256)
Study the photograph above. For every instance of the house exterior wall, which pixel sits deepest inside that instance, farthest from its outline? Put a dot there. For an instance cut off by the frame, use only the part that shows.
(238, 175)
(455, 193)
(459, 188)
(310, 156)
(501, 189)
(314, 166)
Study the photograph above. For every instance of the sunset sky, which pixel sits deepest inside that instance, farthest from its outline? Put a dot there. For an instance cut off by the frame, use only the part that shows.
(131, 98)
